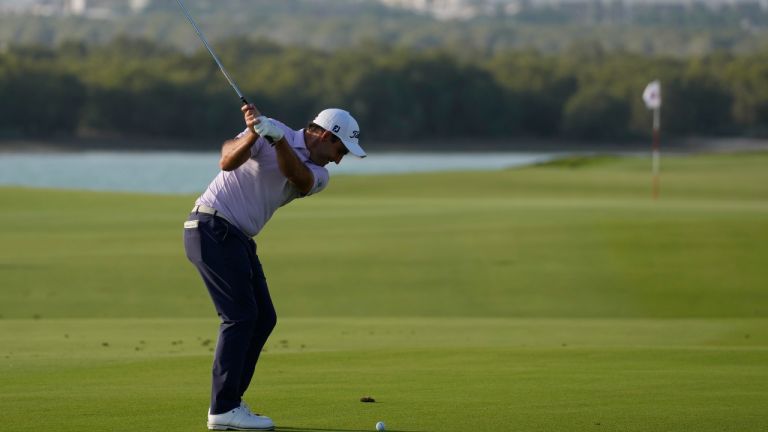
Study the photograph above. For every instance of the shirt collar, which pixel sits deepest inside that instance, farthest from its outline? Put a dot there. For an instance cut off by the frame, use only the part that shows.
(299, 143)
(298, 140)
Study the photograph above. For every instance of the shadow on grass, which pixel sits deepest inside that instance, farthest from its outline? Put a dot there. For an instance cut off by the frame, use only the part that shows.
(332, 430)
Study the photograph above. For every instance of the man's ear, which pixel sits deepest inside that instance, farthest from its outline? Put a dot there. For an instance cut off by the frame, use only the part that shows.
(326, 136)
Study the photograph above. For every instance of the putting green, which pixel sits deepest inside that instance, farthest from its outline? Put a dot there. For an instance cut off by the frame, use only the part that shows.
(545, 298)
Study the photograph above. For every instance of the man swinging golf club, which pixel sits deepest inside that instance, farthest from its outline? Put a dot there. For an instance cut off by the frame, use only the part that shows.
(256, 179)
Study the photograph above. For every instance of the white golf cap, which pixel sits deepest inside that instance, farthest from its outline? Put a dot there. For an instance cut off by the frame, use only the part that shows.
(341, 124)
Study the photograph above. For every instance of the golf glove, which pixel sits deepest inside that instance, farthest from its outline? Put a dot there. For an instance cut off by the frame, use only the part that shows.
(267, 129)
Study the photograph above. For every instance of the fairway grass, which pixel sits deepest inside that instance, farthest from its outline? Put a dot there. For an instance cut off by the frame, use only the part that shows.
(425, 374)
(550, 298)
(537, 242)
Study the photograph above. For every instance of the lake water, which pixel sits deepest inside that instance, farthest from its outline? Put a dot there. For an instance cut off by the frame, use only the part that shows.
(190, 173)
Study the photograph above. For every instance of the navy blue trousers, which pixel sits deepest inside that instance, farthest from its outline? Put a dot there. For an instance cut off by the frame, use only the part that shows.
(227, 261)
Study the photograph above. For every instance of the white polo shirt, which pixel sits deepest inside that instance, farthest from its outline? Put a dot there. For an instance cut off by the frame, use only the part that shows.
(252, 193)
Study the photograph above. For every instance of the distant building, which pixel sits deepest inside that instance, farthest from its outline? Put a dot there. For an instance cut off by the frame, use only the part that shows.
(138, 5)
(585, 10)
(453, 9)
(77, 7)
(98, 9)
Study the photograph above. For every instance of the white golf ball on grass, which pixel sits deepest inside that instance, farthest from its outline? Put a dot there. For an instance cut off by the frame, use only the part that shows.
(380, 426)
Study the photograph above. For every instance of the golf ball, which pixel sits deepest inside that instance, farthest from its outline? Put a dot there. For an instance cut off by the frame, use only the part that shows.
(380, 426)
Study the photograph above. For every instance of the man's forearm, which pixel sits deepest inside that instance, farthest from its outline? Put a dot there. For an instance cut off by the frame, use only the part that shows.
(237, 152)
(292, 167)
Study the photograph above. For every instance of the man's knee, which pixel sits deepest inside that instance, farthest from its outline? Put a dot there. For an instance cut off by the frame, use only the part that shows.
(253, 315)
(261, 319)
(243, 314)
(268, 320)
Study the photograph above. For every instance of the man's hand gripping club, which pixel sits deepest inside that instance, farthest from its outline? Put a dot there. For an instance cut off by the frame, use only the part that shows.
(261, 125)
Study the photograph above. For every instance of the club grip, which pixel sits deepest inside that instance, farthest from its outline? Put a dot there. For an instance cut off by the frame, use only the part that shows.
(269, 139)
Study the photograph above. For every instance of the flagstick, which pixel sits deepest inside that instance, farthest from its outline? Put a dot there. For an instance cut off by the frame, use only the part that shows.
(656, 124)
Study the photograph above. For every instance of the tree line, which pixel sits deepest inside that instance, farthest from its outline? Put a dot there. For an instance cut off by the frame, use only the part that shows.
(137, 88)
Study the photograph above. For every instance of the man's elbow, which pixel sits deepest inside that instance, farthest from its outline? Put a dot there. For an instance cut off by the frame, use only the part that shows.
(226, 165)
(230, 164)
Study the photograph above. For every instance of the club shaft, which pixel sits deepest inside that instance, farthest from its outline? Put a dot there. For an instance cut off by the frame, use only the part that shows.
(212, 53)
(245, 102)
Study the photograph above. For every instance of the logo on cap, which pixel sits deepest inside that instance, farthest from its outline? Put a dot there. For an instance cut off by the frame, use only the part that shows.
(355, 134)
(336, 129)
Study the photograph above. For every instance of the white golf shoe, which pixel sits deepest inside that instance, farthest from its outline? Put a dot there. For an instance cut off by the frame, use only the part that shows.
(245, 406)
(239, 419)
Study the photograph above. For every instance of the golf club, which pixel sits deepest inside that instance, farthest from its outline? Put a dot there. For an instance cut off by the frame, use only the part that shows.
(242, 98)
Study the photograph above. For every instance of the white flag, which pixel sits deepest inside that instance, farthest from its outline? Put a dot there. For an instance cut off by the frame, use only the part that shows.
(652, 95)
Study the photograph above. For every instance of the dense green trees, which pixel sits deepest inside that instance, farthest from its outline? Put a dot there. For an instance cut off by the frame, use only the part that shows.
(35, 100)
(593, 113)
(135, 87)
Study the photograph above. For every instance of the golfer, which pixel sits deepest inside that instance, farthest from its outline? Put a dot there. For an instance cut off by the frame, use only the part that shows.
(256, 179)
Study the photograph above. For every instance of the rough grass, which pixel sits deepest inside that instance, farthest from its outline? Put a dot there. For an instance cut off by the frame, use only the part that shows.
(544, 298)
